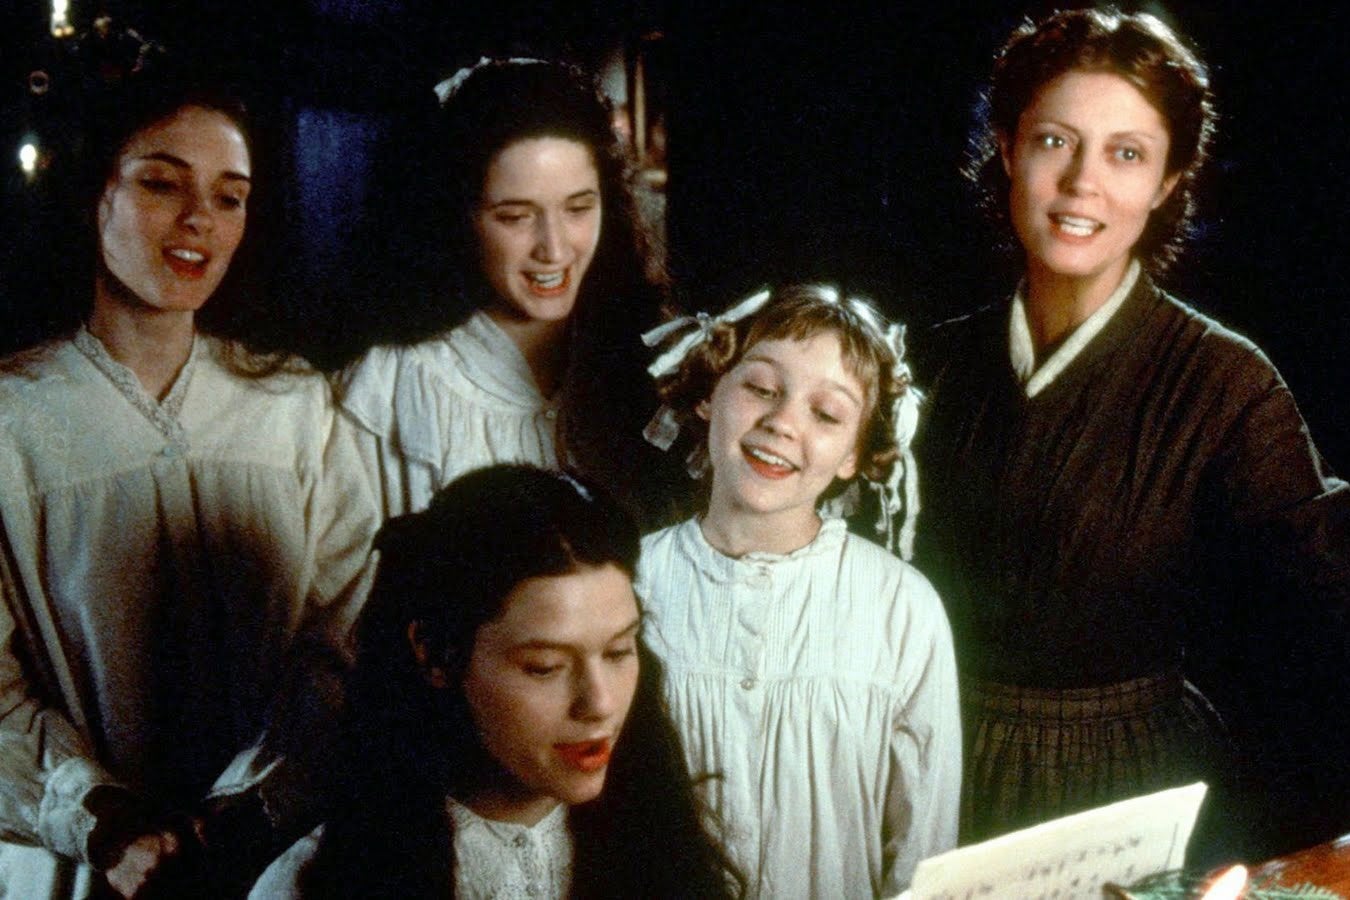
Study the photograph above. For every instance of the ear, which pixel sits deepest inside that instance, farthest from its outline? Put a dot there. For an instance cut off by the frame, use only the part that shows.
(1169, 182)
(434, 675)
(104, 208)
(1005, 151)
(703, 410)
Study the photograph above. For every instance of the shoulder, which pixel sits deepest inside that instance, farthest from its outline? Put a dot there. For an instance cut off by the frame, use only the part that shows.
(876, 575)
(660, 553)
(228, 377)
(370, 388)
(1192, 348)
(45, 363)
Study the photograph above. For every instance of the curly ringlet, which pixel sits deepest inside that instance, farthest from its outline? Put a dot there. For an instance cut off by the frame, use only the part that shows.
(1137, 47)
(799, 312)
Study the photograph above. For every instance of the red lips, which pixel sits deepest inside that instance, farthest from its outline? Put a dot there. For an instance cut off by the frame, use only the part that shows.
(183, 268)
(549, 292)
(585, 756)
(766, 469)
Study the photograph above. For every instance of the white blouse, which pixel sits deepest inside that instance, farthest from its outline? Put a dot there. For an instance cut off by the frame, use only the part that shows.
(493, 860)
(165, 569)
(818, 688)
(430, 412)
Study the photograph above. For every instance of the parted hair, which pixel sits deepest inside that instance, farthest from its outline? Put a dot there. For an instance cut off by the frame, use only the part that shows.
(799, 312)
(406, 745)
(1139, 48)
(50, 269)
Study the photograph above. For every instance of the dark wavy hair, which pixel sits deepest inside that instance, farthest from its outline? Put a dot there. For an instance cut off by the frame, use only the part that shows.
(798, 312)
(1139, 48)
(405, 745)
(112, 88)
(428, 278)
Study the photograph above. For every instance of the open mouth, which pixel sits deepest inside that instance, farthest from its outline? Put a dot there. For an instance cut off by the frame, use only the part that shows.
(770, 465)
(186, 263)
(1076, 226)
(548, 284)
(585, 756)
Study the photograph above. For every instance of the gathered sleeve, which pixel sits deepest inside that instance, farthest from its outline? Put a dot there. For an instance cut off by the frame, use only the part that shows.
(923, 790)
(341, 518)
(47, 768)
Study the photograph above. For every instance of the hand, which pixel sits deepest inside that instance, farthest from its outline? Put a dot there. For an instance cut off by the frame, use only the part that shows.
(141, 859)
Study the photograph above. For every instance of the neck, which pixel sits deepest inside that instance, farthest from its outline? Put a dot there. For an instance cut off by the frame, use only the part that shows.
(1057, 304)
(543, 344)
(152, 343)
(507, 806)
(735, 532)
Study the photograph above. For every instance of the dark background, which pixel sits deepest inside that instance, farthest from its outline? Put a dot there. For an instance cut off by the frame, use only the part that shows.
(804, 143)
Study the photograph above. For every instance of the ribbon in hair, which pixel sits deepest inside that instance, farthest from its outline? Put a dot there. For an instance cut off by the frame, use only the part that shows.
(669, 361)
(450, 86)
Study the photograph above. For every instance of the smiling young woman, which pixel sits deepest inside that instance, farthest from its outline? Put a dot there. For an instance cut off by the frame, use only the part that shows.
(1120, 491)
(181, 546)
(505, 316)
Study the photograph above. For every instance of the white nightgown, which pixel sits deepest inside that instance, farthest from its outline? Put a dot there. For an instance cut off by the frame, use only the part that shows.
(172, 573)
(819, 687)
(432, 411)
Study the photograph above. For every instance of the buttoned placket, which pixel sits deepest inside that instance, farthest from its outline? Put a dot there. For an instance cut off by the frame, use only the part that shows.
(753, 593)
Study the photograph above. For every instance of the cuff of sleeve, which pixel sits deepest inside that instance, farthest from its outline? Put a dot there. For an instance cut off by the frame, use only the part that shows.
(64, 821)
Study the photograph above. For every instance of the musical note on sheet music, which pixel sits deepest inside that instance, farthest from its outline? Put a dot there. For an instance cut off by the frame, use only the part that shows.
(1071, 857)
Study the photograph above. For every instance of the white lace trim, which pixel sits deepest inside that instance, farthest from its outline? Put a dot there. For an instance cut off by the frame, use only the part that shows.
(164, 415)
(507, 861)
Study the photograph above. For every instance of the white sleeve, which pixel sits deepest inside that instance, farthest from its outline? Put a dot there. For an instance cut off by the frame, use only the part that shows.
(46, 767)
(341, 521)
(923, 793)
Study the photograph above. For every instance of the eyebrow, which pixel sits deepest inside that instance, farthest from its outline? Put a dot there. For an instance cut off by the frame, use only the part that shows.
(511, 201)
(179, 163)
(829, 382)
(557, 645)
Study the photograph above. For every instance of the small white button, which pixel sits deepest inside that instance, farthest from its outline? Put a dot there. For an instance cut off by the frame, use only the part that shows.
(748, 683)
(519, 840)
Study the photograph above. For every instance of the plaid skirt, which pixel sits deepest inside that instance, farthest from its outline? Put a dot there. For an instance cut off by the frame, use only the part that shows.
(1034, 754)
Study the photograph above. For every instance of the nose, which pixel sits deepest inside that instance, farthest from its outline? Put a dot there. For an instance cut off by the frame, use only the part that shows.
(1080, 175)
(197, 215)
(597, 693)
(548, 239)
(783, 418)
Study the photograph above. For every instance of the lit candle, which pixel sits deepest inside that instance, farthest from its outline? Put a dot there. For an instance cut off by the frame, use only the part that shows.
(28, 157)
(61, 26)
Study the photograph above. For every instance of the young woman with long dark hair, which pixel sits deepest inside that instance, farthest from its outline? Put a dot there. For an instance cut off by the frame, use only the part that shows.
(506, 733)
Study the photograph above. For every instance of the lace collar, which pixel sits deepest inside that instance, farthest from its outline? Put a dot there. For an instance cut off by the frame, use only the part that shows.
(162, 414)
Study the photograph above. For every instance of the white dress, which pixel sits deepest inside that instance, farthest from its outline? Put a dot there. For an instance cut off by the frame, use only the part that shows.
(493, 860)
(819, 689)
(170, 572)
(432, 411)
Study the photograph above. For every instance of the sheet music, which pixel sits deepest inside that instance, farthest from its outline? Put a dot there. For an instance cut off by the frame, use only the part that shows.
(1070, 857)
